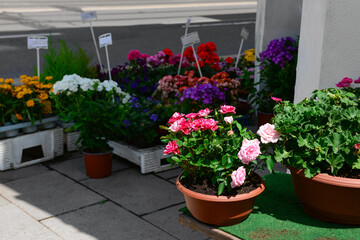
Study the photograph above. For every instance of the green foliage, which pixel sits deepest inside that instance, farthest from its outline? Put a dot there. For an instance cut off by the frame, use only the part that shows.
(64, 61)
(319, 133)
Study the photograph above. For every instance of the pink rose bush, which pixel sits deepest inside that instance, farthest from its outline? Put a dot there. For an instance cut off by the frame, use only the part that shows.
(268, 133)
(213, 145)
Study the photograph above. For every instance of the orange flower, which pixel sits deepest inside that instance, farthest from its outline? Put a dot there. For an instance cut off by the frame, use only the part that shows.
(30, 103)
(18, 116)
(48, 78)
(43, 96)
(9, 80)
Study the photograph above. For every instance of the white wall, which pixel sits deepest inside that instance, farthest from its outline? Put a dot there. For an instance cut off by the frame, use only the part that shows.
(329, 48)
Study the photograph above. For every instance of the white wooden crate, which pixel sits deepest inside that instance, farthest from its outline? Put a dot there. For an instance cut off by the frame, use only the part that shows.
(149, 159)
(70, 139)
(11, 149)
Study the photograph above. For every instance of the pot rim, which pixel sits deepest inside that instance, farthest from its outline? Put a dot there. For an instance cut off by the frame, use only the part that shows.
(213, 198)
(112, 149)
(328, 179)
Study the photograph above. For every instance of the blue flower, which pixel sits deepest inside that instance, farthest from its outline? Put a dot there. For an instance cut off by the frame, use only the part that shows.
(126, 122)
(154, 117)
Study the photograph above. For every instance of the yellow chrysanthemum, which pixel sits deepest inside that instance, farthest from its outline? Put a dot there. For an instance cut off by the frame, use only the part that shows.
(18, 116)
(30, 103)
(23, 76)
(35, 78)
(20, 95)
(43, 96)
(1, 80)
(9, 81)
(48, 78)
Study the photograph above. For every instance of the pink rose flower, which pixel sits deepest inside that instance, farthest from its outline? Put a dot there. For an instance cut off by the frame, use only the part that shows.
(209, 124)
(249, 151)
(176, 116)
(268, 133)
(276, 99)
(357, 146)
(230, 133)
(178, 125)
(191, 115)
(228, 120)
(227, 109)
(238, 177)
(204, 112)
(171, 147)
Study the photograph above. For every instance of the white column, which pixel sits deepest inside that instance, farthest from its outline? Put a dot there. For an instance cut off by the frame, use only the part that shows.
(329, 46)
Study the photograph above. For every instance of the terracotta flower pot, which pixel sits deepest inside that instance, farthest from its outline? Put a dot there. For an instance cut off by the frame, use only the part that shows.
(328, 198)
(263, 118)
(98, 165)
(222, 210)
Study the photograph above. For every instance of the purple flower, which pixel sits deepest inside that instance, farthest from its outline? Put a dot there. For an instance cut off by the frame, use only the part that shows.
(207, 93)
(154, 117)
(280, 51)
(126, 122)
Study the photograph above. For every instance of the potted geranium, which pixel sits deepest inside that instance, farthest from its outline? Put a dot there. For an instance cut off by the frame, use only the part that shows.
(320, 144)
(97, 110)
(277, 76)
(219, 158)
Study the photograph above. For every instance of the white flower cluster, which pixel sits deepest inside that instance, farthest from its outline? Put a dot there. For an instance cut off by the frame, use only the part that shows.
(72, 83)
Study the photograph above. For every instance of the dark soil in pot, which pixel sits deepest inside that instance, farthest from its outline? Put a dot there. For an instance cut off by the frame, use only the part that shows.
(203, 185)
(346, 172)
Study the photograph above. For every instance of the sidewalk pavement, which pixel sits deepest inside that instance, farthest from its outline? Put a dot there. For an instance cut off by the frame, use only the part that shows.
(56, 200)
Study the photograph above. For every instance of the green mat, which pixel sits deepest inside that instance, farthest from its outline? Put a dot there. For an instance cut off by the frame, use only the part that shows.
(278, 215)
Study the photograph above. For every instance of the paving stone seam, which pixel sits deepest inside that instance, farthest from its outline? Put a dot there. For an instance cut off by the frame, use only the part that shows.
(162, 178)
(164, 208)
(117, 204)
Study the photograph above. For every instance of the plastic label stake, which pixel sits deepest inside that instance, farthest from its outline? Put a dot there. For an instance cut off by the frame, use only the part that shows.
(244, 35)
(104, 41)
(89, 17)
(189, 40)
(37, 42)
(188, 21)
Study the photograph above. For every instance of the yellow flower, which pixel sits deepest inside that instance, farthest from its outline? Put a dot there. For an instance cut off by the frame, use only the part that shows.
(1, 80)
(23, 76)
(18, 116)
(9, 80)
(48, 78)
(30, 103)
(43, 96)
(35, 78)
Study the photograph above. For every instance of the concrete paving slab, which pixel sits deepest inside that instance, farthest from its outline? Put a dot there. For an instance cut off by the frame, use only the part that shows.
(16, 224)
(136, 192)
(20, 173)
(106, 221)
(173, 180)
(3, 202)
(167, 219)
(169, 173)
(75, 168)
(48, 194)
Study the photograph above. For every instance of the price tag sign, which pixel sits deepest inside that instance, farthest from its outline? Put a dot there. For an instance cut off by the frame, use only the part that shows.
(190, 39)
(244, 33)
(88, 16)
(105, 39)
(37, 42)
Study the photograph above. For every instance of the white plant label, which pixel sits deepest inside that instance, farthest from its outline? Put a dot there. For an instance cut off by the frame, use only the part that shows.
(88, 16)
(190, 39)
(244, 33)
(105, 40)
(37, 42)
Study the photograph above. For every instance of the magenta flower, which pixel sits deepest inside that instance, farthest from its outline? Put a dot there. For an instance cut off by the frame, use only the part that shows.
(238, 177)
(133, 54)
(209, 124)
(176, 116)
(357, 81)
(178, 125)
(204, 112)
(346, 82)
(171, 147)
(250, 150)
(276, 99)
(191, 115)
(227, 109)
(357, 146)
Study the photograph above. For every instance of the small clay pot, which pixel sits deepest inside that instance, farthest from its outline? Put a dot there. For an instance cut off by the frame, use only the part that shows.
(220, 210)
(98, 165)
(264, 118)
(328, 198)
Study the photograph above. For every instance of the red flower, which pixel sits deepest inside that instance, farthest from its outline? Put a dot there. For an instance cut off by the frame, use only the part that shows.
(171, 147)
(188, 53)
(201, 63)
(215, 66)
(357, 146)
(211, 46)
(227, 109)
(357, 81)
(229, 60)
(203, 55)
(168, 52)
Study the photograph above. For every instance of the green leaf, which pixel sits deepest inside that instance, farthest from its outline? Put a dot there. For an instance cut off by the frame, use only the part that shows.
(269, 163)
(221, 188)
(281, 154)
(224, 160)
(336, 140)
(336, 161)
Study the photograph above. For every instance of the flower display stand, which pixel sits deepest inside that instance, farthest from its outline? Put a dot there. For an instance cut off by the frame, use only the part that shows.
(28, 149)
(149, 159)
(70, 139)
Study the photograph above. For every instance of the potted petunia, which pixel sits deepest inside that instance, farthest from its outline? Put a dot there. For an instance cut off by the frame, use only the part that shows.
(218, 158)
(97, 110)
(320, 142)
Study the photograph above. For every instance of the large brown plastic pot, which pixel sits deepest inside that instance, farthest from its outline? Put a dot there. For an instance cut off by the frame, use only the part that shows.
(264, 118)
(220, 210)
(328, 198)
(98, 165)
